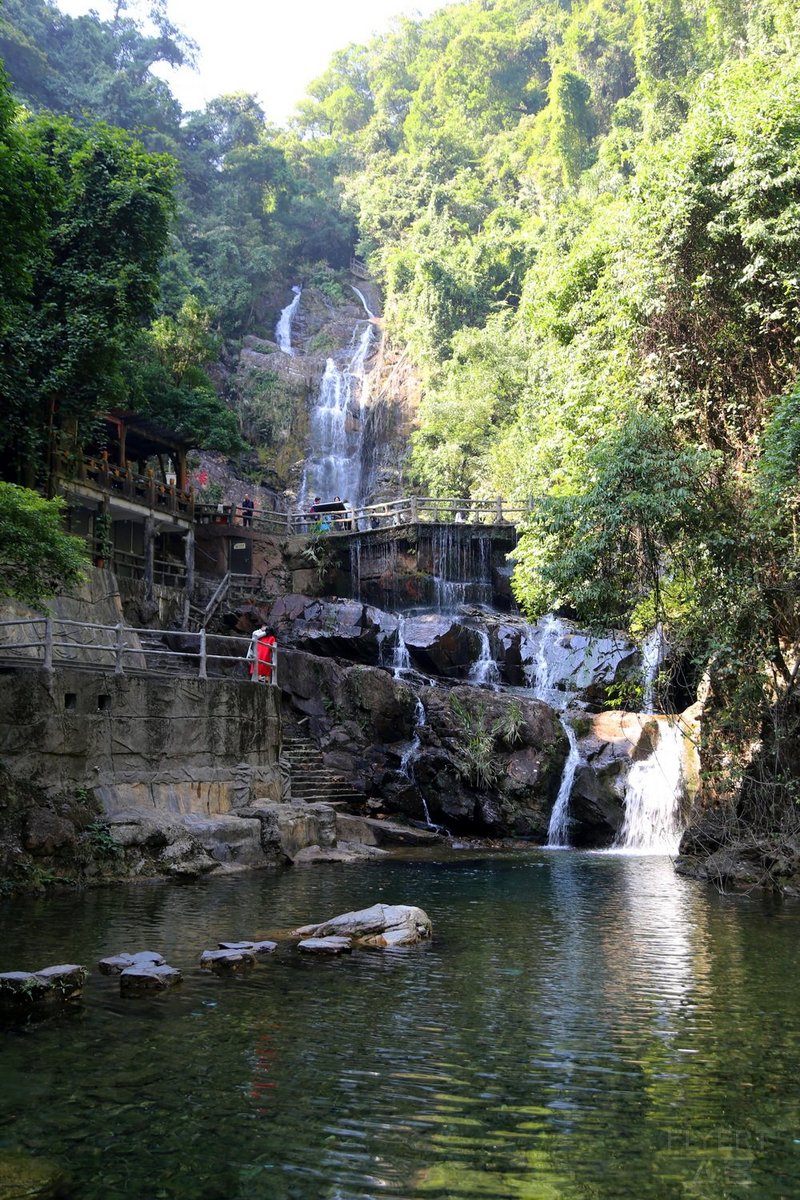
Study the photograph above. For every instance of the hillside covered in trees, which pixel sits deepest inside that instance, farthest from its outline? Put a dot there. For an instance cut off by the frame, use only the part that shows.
(585, 217)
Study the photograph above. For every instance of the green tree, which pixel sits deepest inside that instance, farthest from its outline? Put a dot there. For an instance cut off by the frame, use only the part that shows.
(37, 558)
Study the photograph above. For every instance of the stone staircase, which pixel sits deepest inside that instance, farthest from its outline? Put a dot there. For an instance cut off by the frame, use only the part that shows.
(312, 781)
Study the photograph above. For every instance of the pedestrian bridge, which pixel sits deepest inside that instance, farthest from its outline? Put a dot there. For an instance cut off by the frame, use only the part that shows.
(344, 520)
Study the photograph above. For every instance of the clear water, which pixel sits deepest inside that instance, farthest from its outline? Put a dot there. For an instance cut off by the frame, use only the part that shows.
(582, 1026)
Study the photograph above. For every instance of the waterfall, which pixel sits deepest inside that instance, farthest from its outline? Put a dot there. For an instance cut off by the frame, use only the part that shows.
(654, 651)
(653, 793)
(558, 829)
(461, 566)
(412, 750)
(333, 466)
(402, 661)
(361, 297)
(484, 670)
(283, 330)
(544, 664)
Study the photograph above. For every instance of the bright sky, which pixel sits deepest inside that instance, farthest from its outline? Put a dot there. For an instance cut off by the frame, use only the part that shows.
(263, 46)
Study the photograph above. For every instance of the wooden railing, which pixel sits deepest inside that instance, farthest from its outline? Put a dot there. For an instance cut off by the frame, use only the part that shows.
(412, 510)
(118, 649)
(140, 489)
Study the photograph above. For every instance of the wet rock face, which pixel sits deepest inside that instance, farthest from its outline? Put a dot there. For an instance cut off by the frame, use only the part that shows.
(489, 762)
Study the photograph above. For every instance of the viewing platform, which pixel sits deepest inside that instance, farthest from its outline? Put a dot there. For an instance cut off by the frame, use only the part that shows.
(343, 520)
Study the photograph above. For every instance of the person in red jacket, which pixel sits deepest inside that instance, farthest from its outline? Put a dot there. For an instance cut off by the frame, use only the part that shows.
(261, 655)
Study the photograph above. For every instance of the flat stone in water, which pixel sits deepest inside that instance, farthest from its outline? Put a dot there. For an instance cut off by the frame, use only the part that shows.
(115, 964)
(227, 962)
(325, 945)
(156, 978)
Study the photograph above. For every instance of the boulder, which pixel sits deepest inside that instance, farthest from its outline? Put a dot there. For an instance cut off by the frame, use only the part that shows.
(381, 925)
(288, 827)
(439, 644)
(67, 980)
(46, 832)
(336, 628)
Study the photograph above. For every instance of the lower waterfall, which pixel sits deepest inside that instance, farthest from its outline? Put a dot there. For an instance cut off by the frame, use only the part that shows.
(653, 795)
(558, 829)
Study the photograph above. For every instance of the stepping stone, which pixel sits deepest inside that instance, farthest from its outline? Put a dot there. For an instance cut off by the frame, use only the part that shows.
(227, 962)
(253, 947)
(66, 980)
(325, 945)
(156, 978)
(117, 963)
(23, 989)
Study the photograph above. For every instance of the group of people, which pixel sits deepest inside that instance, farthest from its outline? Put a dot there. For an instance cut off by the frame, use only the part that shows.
(325, 517)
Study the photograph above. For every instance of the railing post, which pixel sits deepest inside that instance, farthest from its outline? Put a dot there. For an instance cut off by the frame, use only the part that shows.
(118, 651)
(203, 668)
(48, 645)
(498, 515)
(414, 515)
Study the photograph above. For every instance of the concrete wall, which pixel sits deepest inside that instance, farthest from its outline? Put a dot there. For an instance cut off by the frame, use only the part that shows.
(175, 745)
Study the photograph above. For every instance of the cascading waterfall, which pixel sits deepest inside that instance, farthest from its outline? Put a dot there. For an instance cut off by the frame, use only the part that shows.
(545, 660)
(333, 465)
(654, 651)
(283, 330)
(653, 793)
(461, 567)
(363, 300)
(655, 785)
(558, 829)
(484, 670)
(402, 660)
(411, 752)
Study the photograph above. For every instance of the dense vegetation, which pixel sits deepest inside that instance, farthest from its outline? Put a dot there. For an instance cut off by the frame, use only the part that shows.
(585, 215)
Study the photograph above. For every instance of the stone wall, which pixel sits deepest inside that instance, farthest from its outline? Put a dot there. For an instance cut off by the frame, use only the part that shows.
(171, 745)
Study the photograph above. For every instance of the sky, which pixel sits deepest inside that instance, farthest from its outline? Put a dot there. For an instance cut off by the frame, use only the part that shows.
(271, 48)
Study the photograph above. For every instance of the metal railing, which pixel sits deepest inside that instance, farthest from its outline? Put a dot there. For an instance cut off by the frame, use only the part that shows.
(119, 649)
(412, 510)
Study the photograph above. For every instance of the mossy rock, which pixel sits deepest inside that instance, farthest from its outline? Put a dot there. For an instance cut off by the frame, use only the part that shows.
(23, 1177)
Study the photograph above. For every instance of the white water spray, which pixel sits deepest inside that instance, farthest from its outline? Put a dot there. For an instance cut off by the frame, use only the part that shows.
(283, 330)
(401, 661)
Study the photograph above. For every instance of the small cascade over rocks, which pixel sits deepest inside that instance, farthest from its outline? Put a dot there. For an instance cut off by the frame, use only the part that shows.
(558, 829)
(283, 330)
(484, 671)
(401, 662)
(654, 651)
(363, 300)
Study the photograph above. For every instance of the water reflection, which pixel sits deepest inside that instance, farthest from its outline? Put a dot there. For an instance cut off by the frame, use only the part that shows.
(581, 1026)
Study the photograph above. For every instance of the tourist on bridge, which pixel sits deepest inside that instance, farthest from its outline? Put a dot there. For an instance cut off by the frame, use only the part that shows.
(247, 511)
